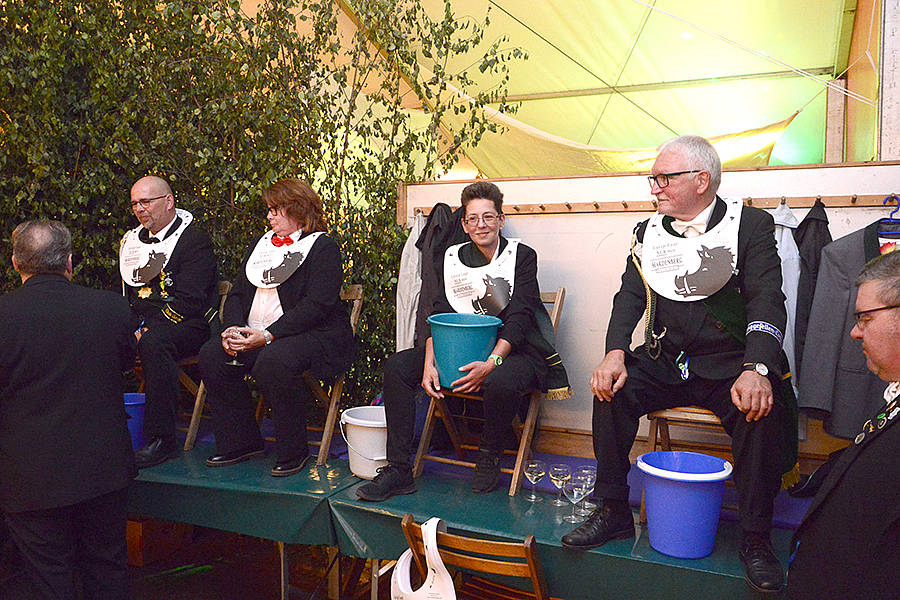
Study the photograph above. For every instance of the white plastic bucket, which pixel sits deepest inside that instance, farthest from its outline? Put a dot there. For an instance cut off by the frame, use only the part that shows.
(365, 430)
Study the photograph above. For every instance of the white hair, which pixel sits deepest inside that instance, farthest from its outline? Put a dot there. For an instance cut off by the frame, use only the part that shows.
(701, 154)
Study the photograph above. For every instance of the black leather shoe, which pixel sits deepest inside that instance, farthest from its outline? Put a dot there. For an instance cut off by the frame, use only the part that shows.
(610, 521)
(761, 567)
(283, 469)
(232, 458)
(157, 451)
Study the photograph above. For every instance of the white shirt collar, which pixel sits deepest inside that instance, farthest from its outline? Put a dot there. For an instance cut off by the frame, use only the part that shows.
(892, 391)
(699, 222)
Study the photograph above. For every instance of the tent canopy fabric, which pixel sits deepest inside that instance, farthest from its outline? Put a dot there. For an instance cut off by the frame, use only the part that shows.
(606, 80)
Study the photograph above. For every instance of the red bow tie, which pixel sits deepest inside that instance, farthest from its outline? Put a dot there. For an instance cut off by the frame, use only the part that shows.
(281, 241)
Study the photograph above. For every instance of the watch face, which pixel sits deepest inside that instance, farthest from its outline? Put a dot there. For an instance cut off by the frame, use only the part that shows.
(762, 369)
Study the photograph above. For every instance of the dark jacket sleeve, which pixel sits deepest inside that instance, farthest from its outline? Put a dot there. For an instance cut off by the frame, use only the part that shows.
(761, 289)
(196, 276)
(629, 304)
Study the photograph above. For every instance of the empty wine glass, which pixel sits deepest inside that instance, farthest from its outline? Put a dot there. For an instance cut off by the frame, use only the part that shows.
(589, 475)
(534, 471)
(559, 475)
(575, 489)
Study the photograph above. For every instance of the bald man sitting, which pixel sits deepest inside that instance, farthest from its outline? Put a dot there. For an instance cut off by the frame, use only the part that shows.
(169, 273)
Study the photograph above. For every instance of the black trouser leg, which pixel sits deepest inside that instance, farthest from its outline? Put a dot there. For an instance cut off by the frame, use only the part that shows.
(279, 372)
(160, 348)
(503, 391)
(402, 377)
(234, 413)
(615, 425)
(102, 555)
(756, 447)
(88, 536)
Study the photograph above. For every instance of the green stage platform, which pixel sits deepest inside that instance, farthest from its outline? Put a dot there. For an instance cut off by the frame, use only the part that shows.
(321, 507)
(242, 498)
(619, 570)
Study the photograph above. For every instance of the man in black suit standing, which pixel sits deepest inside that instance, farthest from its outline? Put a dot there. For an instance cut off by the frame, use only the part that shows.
(65, 453)
(846, 546)
(707, 273)
(169, 271)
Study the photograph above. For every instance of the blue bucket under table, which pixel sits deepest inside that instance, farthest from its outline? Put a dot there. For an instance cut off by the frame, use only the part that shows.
(619, 570)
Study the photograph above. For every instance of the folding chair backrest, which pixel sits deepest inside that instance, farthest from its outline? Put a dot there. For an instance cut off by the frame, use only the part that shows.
(512, 559)
(555, 300)
(354, 295)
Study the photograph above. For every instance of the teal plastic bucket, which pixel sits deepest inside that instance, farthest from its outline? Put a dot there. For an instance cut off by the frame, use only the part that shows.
(459, 339)
(683, 493)
(134, 407)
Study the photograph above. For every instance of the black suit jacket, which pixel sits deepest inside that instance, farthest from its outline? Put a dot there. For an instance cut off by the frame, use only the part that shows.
(713, 352)
(310, 299)
(849, 538)
(63, 437)
(191, 271)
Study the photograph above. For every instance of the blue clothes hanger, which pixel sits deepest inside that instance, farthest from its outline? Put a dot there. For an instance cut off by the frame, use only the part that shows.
(890, 226)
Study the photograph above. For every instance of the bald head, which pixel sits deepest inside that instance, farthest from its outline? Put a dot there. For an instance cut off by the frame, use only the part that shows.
(152, 202)
(42, 247)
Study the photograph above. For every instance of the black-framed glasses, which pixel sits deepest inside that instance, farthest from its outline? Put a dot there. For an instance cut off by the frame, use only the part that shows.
(859, 315)
(145, 202)
(662, 179)
(490, 219)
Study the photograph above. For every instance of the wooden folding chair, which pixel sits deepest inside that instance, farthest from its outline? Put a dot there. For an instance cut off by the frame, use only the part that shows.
(511, 559)
(354, 295)
(658, 436)
(438, 409)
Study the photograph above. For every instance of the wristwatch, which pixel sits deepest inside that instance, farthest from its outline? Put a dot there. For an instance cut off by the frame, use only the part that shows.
(267, 336)
(496, 358)
(759, 367)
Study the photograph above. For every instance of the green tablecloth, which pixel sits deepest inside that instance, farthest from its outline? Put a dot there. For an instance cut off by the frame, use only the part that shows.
(242, 498)
(621, 569)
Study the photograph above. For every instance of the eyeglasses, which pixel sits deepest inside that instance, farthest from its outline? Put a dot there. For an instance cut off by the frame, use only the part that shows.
(145, 202)
(662, 179)
(490, 219)
(860, 316)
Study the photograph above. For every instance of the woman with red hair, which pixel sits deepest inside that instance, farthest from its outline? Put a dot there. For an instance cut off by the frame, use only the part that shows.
(283, 317)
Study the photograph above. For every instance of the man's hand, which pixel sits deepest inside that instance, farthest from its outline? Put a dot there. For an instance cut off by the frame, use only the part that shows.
(431, 383)
(610, 375)
(752, 395)
(471, 382)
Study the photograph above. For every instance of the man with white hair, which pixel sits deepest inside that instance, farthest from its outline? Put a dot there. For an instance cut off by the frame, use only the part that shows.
(706, 272)
(847, 543)
(169, 271)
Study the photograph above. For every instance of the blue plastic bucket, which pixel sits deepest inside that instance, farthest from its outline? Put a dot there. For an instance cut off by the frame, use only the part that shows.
(459, 339)
(134, 406)
(683, 494)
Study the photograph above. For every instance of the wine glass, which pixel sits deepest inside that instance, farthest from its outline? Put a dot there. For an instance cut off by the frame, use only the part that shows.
(559, 475)
(534, 471)
(575, 489)
(234, 362)
(589, 475)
